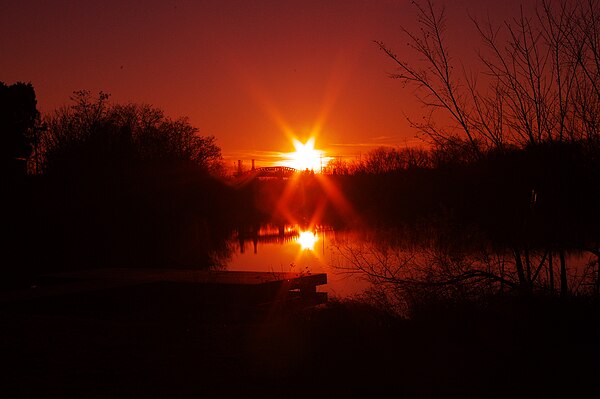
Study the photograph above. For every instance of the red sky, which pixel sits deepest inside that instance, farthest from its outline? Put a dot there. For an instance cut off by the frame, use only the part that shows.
(245, 71)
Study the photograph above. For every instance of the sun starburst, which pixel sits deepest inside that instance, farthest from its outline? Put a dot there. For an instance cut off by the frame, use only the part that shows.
(306, 157)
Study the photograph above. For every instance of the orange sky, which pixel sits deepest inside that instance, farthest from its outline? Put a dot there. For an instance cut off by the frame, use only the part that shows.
(250, 72)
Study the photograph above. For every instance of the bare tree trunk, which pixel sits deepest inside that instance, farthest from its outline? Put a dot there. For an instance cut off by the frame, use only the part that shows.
(564, 289)
(502, 275)
(520, 271)
(527, 265)
(598, 276)
(551, 273)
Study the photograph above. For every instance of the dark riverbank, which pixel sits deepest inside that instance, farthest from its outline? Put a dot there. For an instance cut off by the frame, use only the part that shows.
(144, 344)
(120, 195)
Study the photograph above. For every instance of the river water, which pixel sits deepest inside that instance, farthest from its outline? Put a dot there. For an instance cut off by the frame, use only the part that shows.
(292, 249)
(289, 248)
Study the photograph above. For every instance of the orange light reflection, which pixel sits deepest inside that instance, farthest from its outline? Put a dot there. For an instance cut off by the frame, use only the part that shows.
(307, 240)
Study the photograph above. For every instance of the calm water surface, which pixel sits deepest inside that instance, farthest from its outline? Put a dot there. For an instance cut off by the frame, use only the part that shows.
(291, 249)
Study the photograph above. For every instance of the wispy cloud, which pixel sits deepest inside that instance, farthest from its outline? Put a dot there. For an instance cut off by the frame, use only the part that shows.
(381, 141)
(333, 150)
(339, 150)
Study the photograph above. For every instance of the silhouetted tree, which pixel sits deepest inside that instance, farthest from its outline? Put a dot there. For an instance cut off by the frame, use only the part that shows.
(125, 184)
(95, 135)
(440, 87)
(387, 159)
(537, 80)
(535, 89)
(341, 166)
(18, 118)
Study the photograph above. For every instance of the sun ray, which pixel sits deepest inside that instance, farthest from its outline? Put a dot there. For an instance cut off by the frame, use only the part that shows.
(339, 201)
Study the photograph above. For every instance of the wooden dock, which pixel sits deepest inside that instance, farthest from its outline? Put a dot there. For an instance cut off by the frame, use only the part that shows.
(153, 289)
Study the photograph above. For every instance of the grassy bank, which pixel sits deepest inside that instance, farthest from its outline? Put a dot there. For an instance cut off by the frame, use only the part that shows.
(114, 344)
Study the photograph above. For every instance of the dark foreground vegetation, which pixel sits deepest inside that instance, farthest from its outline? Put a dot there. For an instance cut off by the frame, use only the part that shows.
(478, 290)
(122, 344)
(446, 326)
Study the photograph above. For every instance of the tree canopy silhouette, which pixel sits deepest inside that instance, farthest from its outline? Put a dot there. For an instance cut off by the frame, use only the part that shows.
(515, 148)
(93, 136)
(18, 117)
(124, 184)
(536, 80)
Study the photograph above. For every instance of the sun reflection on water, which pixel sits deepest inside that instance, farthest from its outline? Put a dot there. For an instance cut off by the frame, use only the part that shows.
(307, 240)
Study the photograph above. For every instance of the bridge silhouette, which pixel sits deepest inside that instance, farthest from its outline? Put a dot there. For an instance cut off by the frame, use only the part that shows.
(273, 171)
(267, 172)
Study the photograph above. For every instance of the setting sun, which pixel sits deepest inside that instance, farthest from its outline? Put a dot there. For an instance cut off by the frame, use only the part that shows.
(307, 240)
(306, 156)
